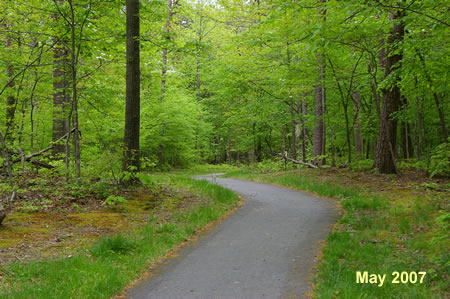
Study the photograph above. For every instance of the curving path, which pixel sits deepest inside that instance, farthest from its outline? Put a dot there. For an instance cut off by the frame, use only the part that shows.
(267, 249)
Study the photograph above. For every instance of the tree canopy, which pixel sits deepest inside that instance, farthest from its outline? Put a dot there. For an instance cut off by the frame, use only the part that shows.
(324, 82)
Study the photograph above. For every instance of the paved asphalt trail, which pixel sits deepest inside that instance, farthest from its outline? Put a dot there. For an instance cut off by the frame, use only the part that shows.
(265, 250)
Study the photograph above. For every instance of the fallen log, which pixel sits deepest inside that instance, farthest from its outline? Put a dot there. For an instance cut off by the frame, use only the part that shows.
(299, 162)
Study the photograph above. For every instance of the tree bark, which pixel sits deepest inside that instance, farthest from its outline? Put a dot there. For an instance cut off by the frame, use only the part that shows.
(304, 133)
(319, 105)
(5, 154)
(419, 128)
(10, 98)
(61, 95)
(132, 110)
(73, 66)
(406, 142)
(387, 133)
(229, 154)
(293, 131)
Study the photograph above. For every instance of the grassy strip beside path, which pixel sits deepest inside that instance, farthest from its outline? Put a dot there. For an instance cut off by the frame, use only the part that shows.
(379, 233)
(110, 264)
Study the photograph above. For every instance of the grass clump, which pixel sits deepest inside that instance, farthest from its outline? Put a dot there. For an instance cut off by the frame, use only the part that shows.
(112, 244)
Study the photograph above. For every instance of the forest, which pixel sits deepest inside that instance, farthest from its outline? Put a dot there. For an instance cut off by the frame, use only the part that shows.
(107, 108)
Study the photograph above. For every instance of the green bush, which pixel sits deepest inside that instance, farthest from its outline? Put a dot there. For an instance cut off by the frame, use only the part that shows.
(268, 165)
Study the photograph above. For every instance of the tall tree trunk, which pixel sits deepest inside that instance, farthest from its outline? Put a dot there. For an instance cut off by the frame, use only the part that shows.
(165, 50)
(319, 104)
(359, 143)
(200, 36)
(10, 98)
(304, 134)
(132, 109)
(407, 148)
(73, 66)
(319, 111)
(406, 142)
(4, 152)
(333, 148)
(419, 107)
(386, 143)
(61, 95)
(229, 149)
(293, 131)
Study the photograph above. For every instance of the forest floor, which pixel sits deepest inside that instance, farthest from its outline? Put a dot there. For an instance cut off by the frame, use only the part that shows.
(48, 218)
(391, 224)
(54, 229)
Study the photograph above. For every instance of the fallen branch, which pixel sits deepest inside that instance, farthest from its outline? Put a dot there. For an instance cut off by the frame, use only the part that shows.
(29, 157)
(298, 162)
(22, 158)
(40, 164)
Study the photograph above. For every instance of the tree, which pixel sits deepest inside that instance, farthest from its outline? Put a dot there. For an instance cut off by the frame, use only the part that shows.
(319, 103)
(386, 143)
(170, 13)
(61, 95)
(11, 101)
(132, 109)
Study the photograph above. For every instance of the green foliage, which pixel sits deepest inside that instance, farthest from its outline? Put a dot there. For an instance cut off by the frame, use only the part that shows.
(233, 89)
(443, 227)
(440, 160)
(113, 201)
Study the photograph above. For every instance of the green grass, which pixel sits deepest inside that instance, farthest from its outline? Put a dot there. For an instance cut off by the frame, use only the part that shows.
(373, 235)
(110, 264)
